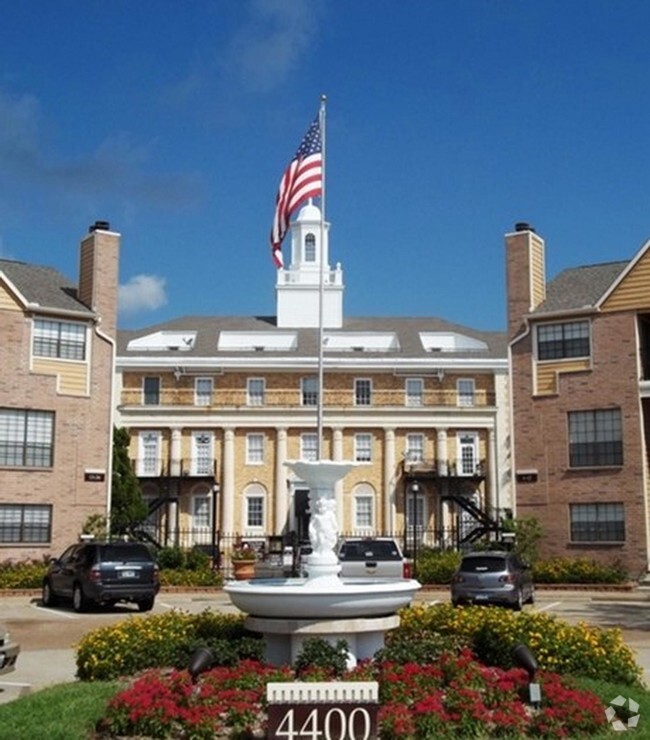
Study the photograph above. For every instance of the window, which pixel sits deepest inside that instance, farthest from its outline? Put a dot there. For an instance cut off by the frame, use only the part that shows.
(466, 391)
(595, 438)
(26, 438)
(25, 523)
(362, 392)
(363, 447)
(561, 341)
(309, 391)
(467, 453)
(254, 501)
(414, 392)
(414, 448)
(310, 248)
(151, 391)
(364, 511)
(255, 389)
(149, 463)
(202, 453)
(203, 391)
(597, 522)
(200, 511)
(254, 449)
(60, 339)
(309, 446)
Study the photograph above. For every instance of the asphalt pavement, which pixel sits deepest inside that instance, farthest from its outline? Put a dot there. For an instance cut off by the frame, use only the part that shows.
(45, 666)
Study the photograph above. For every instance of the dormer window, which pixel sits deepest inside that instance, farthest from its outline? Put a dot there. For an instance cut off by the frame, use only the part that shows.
(310, 248)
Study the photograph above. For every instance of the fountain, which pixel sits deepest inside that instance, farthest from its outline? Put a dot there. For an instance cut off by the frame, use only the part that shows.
(287, 611)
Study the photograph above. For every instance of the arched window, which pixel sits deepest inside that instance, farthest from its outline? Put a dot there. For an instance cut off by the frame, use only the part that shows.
(363, 515)
(254, 513)
(310, 248)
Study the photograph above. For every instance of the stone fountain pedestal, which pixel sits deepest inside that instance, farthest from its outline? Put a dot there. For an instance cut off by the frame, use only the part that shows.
(284, 638)
(288, 611)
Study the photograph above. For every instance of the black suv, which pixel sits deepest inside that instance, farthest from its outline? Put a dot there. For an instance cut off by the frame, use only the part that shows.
(92, 573)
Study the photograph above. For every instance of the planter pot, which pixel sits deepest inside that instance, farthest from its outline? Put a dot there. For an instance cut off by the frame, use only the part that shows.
(244, 569)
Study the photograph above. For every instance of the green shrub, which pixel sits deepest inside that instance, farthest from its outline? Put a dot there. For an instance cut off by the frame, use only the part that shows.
(577, 570)
(437, 566)
(170, 558)
(319, 656)
(421, 648)
(162, 640)
(191, 578)
(28, 574)
(492, 634)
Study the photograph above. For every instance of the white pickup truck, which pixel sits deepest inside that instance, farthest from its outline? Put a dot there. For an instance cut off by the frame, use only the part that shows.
(377, 557)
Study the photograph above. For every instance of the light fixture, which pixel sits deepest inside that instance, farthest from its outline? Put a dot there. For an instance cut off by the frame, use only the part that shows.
(440, 374)
(177, 373)
(202, 659)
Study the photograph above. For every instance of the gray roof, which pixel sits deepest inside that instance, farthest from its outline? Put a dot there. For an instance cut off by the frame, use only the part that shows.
(580, 287)
(44, 286)
(406, 328)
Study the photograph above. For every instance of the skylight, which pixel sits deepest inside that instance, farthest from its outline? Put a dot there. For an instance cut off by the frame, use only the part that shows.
(179, 341)
(439, 341)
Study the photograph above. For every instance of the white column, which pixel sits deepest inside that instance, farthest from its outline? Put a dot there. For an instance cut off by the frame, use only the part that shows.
(390, 494)
(175, 452)
(443, 485)
(281, 493)
(441, 451)
(491, 474)
(337, 456)
(228, 491)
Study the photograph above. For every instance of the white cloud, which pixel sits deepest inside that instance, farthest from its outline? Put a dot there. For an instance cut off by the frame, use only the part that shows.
(142, 293)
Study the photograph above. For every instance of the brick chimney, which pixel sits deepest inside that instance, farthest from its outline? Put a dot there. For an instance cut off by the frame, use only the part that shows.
(525, 274)
(98, 273)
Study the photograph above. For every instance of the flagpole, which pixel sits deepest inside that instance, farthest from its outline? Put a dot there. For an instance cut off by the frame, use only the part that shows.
(321, 289)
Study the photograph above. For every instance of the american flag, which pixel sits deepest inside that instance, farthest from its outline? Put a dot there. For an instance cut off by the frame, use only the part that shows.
(302, 179)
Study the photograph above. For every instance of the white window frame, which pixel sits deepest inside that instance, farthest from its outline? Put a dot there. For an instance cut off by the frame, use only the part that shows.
(149, 462)
(414, 451)
(467, 442)
(309, 446)
(255, 391)
(466, 389)
(310, 248)
(201, 512)
(146, 378)
(27, 438)
(253, 495)
(309, 391)
(363, 392)
(202, 461)
(364, 510)
(255, 448)
(61, 340)
(414, 392)
(363, 447)
(203, 395)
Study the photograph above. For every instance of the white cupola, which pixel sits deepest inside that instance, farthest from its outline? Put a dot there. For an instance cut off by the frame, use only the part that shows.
(298, 286)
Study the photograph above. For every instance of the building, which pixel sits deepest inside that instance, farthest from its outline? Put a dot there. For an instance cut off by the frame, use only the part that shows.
(58, 342)
(580, 373)
(216, 405)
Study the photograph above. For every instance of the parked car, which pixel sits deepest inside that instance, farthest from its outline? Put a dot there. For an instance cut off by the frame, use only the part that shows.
(93, 573)
(9, 651)
(377, 557)
(493, 577)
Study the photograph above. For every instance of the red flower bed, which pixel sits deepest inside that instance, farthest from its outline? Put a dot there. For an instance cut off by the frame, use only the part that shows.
(455, 697)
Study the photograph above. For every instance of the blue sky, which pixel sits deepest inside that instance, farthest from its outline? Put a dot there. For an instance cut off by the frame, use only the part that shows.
(447, 122)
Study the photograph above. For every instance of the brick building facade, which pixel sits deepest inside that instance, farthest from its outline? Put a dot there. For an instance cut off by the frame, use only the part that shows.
(58, 342)
(580, 377)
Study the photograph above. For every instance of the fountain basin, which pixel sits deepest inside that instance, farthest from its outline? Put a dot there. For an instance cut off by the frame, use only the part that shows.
(326, 597)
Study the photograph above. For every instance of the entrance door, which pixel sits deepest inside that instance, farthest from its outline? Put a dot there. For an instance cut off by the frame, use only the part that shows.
(301, 513)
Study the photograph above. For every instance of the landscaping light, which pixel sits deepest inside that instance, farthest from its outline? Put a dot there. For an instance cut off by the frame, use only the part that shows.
(524, 658)
(201, 660)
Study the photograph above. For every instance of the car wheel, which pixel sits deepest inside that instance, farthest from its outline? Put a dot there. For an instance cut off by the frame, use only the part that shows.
(48, 598)
(531, 598)
(519, 603)
(146, 605)
(79, 601)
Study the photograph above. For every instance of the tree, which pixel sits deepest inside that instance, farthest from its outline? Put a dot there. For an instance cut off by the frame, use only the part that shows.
(128, 508)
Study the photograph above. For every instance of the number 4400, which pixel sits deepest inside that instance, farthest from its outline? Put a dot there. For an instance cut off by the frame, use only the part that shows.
(327, 724)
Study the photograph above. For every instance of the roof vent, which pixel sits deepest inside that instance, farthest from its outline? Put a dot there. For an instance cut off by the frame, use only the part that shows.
(100, 226)
(523, 226)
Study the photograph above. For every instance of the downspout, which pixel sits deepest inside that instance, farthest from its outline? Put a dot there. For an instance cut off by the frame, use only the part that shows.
(109, 467)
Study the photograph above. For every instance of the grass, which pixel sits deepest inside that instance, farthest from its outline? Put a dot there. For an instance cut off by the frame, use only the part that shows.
(70, 711)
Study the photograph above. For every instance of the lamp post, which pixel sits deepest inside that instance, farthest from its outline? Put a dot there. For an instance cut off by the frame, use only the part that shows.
(415, 489)
(214, 547)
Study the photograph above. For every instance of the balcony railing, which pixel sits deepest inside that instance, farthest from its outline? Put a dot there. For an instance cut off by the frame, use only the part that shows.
(227, 398)
(450, 469)
(189, 467)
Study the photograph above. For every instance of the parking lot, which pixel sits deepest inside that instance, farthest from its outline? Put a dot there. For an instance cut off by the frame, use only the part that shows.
(48, 635)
